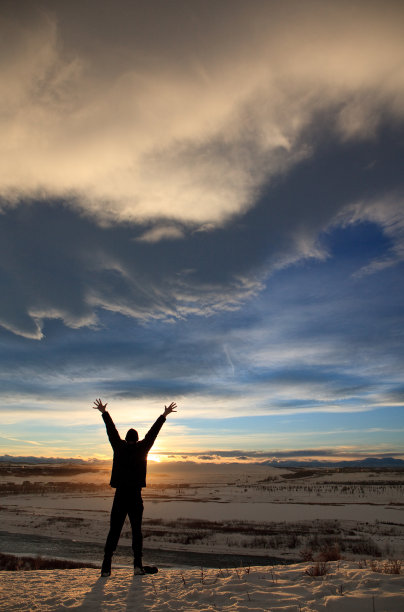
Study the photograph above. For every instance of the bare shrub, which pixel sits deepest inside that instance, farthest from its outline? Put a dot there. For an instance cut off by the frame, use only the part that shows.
(306, 554)
(365, 547)
(392, 566)
(259, 542)
(329, 553)
(187, 538)
(318, 569)
(293, 540)
(333, 546)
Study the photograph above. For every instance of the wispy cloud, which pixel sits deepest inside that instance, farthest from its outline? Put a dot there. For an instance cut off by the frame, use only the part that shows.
(248, 456)
(168, 232)
(11, 439)
(389, 215)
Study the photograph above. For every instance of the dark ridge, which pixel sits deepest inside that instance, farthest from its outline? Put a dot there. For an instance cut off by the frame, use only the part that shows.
(12, 563)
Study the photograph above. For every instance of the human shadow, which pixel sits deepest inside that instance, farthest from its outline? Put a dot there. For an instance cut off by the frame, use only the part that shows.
(93, 599)
(137, 593)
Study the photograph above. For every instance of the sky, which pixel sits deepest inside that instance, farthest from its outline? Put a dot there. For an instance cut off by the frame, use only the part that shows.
(202, 202)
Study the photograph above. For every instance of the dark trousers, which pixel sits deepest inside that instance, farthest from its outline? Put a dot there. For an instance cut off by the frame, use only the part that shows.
(126, 502)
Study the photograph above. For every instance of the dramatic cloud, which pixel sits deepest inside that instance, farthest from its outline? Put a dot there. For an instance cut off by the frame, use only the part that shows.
(185, 110)
(57, 264)
(176, 117)
(202, 201)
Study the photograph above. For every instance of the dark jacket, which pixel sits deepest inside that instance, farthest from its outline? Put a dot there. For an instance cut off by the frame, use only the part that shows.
(130, 460)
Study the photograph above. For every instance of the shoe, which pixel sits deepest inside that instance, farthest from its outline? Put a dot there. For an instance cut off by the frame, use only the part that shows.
(106, 567)
(138, 570)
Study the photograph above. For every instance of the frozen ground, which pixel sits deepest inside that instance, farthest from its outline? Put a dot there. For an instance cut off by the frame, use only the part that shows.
(239, 510)
(347, 587)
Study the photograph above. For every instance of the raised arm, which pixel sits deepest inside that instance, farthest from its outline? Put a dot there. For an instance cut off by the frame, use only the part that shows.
(100, 406)
(154, 430)
(169, 409)
(112, 431)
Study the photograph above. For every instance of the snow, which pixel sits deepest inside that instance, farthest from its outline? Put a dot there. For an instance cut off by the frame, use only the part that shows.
(347, 587)
(369, 507)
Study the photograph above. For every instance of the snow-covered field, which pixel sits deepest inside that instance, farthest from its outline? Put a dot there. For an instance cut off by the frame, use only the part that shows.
(192, 515)
(242, 509)
(346, 587)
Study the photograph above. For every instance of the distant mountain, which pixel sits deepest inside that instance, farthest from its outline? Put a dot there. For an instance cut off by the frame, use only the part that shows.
(386, 462)
(369, 462)
(11, 459)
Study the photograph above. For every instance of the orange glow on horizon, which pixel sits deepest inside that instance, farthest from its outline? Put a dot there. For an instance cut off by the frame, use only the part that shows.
(153, 457)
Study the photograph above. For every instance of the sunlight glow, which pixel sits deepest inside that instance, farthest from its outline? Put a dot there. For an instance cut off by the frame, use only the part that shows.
(153, 457)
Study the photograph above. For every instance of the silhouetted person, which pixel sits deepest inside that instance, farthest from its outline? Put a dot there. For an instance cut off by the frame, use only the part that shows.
(128, 477)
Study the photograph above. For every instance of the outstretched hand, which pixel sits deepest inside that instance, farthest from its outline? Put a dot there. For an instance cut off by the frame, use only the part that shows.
(170, 408)
(100, 406)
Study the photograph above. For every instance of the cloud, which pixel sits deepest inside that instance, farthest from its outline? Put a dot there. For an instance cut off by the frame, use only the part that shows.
(169, 232)
(185, 158)
(308, 343)
(154, 274)
(263, 457)
(57, 265)
(11, 439)
(396, 395)
(142, 112)
(387, 214)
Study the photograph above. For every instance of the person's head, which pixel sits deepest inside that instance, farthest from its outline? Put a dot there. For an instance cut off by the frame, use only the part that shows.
(132, 436)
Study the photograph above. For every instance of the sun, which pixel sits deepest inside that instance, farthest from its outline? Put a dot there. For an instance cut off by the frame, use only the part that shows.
(153, 457)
